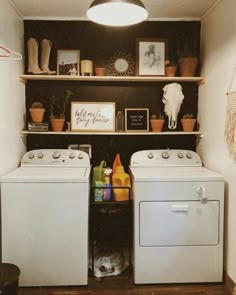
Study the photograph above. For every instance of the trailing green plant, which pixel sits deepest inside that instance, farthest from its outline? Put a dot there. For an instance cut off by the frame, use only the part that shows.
(36, 105)
(57, 105)
(188, 116)
(157, 117)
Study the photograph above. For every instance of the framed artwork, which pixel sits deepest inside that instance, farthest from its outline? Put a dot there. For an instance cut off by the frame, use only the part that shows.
(136, 120)
(93, 116)
(150, 57)
(68, 62)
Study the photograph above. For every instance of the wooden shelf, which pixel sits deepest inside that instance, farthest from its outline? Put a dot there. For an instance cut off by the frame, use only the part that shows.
(25, 78)
(113, 133)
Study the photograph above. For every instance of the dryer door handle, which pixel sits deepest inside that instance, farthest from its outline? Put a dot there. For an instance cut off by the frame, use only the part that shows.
(180, 208)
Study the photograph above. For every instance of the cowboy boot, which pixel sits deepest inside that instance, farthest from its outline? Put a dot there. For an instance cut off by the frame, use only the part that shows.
(33, 64)
(45, 53)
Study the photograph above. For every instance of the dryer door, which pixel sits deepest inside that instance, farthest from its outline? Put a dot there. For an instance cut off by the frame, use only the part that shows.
(182, 223)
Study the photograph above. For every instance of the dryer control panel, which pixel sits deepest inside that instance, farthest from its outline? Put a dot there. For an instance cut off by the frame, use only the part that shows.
(165, 157)
(56, 157)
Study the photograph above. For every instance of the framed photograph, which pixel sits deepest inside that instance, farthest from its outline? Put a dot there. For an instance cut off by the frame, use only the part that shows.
(68, 62)
(150, 57)
(136, 120)
(93, 116)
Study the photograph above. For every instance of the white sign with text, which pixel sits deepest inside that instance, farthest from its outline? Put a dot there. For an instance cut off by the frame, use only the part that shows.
(92, 116)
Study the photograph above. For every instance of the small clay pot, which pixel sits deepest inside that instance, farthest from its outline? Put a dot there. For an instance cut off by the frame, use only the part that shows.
(187, 66)
(57, 124)
(170, 71)
(188, 124)
(37, 115)
(100, 71)
(157, 124)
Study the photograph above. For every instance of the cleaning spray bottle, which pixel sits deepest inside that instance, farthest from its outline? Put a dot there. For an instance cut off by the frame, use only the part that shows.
(107, 185)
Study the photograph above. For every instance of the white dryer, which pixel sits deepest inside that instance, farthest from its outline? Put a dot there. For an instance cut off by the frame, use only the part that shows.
(45, 205)
(178, 218)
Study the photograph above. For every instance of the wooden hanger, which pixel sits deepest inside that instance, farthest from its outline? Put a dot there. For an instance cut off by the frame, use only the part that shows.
(9, 54)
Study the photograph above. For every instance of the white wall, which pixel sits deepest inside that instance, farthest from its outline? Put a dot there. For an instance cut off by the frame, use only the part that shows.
(12, 92)
(218, 58)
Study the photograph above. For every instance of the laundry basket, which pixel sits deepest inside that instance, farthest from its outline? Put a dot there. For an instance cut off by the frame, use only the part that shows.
(9, 277)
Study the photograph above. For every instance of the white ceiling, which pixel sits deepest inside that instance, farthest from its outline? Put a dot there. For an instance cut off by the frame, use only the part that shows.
(76, 9)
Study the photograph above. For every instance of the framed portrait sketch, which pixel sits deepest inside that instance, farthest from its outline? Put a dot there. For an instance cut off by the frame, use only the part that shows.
(68, 62)
(93, 116)
(150, 57)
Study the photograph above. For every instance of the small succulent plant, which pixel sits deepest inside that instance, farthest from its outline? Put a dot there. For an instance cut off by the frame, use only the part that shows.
(170, 63)
(36, 105)
(188, 116)
(157, 117)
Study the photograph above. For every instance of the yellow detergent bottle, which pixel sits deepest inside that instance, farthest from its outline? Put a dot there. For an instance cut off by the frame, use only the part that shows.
(121, 179)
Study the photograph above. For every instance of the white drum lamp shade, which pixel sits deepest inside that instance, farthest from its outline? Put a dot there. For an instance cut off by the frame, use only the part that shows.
(117, 12)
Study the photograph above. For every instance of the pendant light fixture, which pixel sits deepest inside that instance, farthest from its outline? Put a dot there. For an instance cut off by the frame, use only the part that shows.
(117, 12)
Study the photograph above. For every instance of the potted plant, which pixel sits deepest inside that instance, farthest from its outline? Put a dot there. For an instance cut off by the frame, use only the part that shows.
(170, 68)
(188, 122)
(57, 109)
(37, 112)
(187, 61)
(157, 122)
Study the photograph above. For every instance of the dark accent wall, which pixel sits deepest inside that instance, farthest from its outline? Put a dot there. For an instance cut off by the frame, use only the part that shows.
(99, 43)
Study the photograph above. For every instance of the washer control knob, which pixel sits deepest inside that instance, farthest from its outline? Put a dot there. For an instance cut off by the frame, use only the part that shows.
(165, 155)
(40, 155)
(180, 155)
(150, 156)
(71, 155)
(31, 155)
(189, 155)
(80, 156)
(56, 155)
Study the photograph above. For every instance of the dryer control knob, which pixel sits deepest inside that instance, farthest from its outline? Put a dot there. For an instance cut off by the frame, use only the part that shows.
(80, 156)
(189, 155)
(71, 155)
(165, 155)
(56, 155)
(150, 156)
(180, 155)
(40, 155)
(31, 155)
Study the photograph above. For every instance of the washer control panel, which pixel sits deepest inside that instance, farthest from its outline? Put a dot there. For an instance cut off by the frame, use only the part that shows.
(59, 157)
(168, 157)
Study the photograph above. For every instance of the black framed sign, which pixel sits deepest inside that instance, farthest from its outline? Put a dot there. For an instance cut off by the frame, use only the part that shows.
(136, 120)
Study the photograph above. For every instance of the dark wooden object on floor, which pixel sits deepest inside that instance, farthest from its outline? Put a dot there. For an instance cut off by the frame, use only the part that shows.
(123, 286)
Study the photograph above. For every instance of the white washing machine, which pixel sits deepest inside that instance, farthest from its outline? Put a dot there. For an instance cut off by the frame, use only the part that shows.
(178, 218)
(45, 205)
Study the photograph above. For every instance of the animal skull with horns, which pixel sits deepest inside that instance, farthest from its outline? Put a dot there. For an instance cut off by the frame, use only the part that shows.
(172, 98)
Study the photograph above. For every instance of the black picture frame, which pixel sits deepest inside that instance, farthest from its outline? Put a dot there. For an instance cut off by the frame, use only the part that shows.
(136, 119)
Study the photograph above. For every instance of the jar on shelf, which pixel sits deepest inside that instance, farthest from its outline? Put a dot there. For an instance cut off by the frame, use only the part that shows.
(120, 122)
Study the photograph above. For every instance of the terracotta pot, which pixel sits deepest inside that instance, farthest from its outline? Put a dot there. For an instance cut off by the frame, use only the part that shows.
(187, 66)
(188, 124)
(170, 71)
(57, 124)
(37, 115)
(157, 124)
(100, 71)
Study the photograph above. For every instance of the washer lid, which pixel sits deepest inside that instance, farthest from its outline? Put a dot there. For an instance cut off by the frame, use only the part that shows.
(47, 174)
(174, 174)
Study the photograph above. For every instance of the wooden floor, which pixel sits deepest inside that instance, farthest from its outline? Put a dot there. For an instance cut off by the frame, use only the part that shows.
(119, 286)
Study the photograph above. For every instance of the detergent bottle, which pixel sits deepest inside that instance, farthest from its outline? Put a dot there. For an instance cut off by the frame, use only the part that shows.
(116, 163)
(120, 179)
